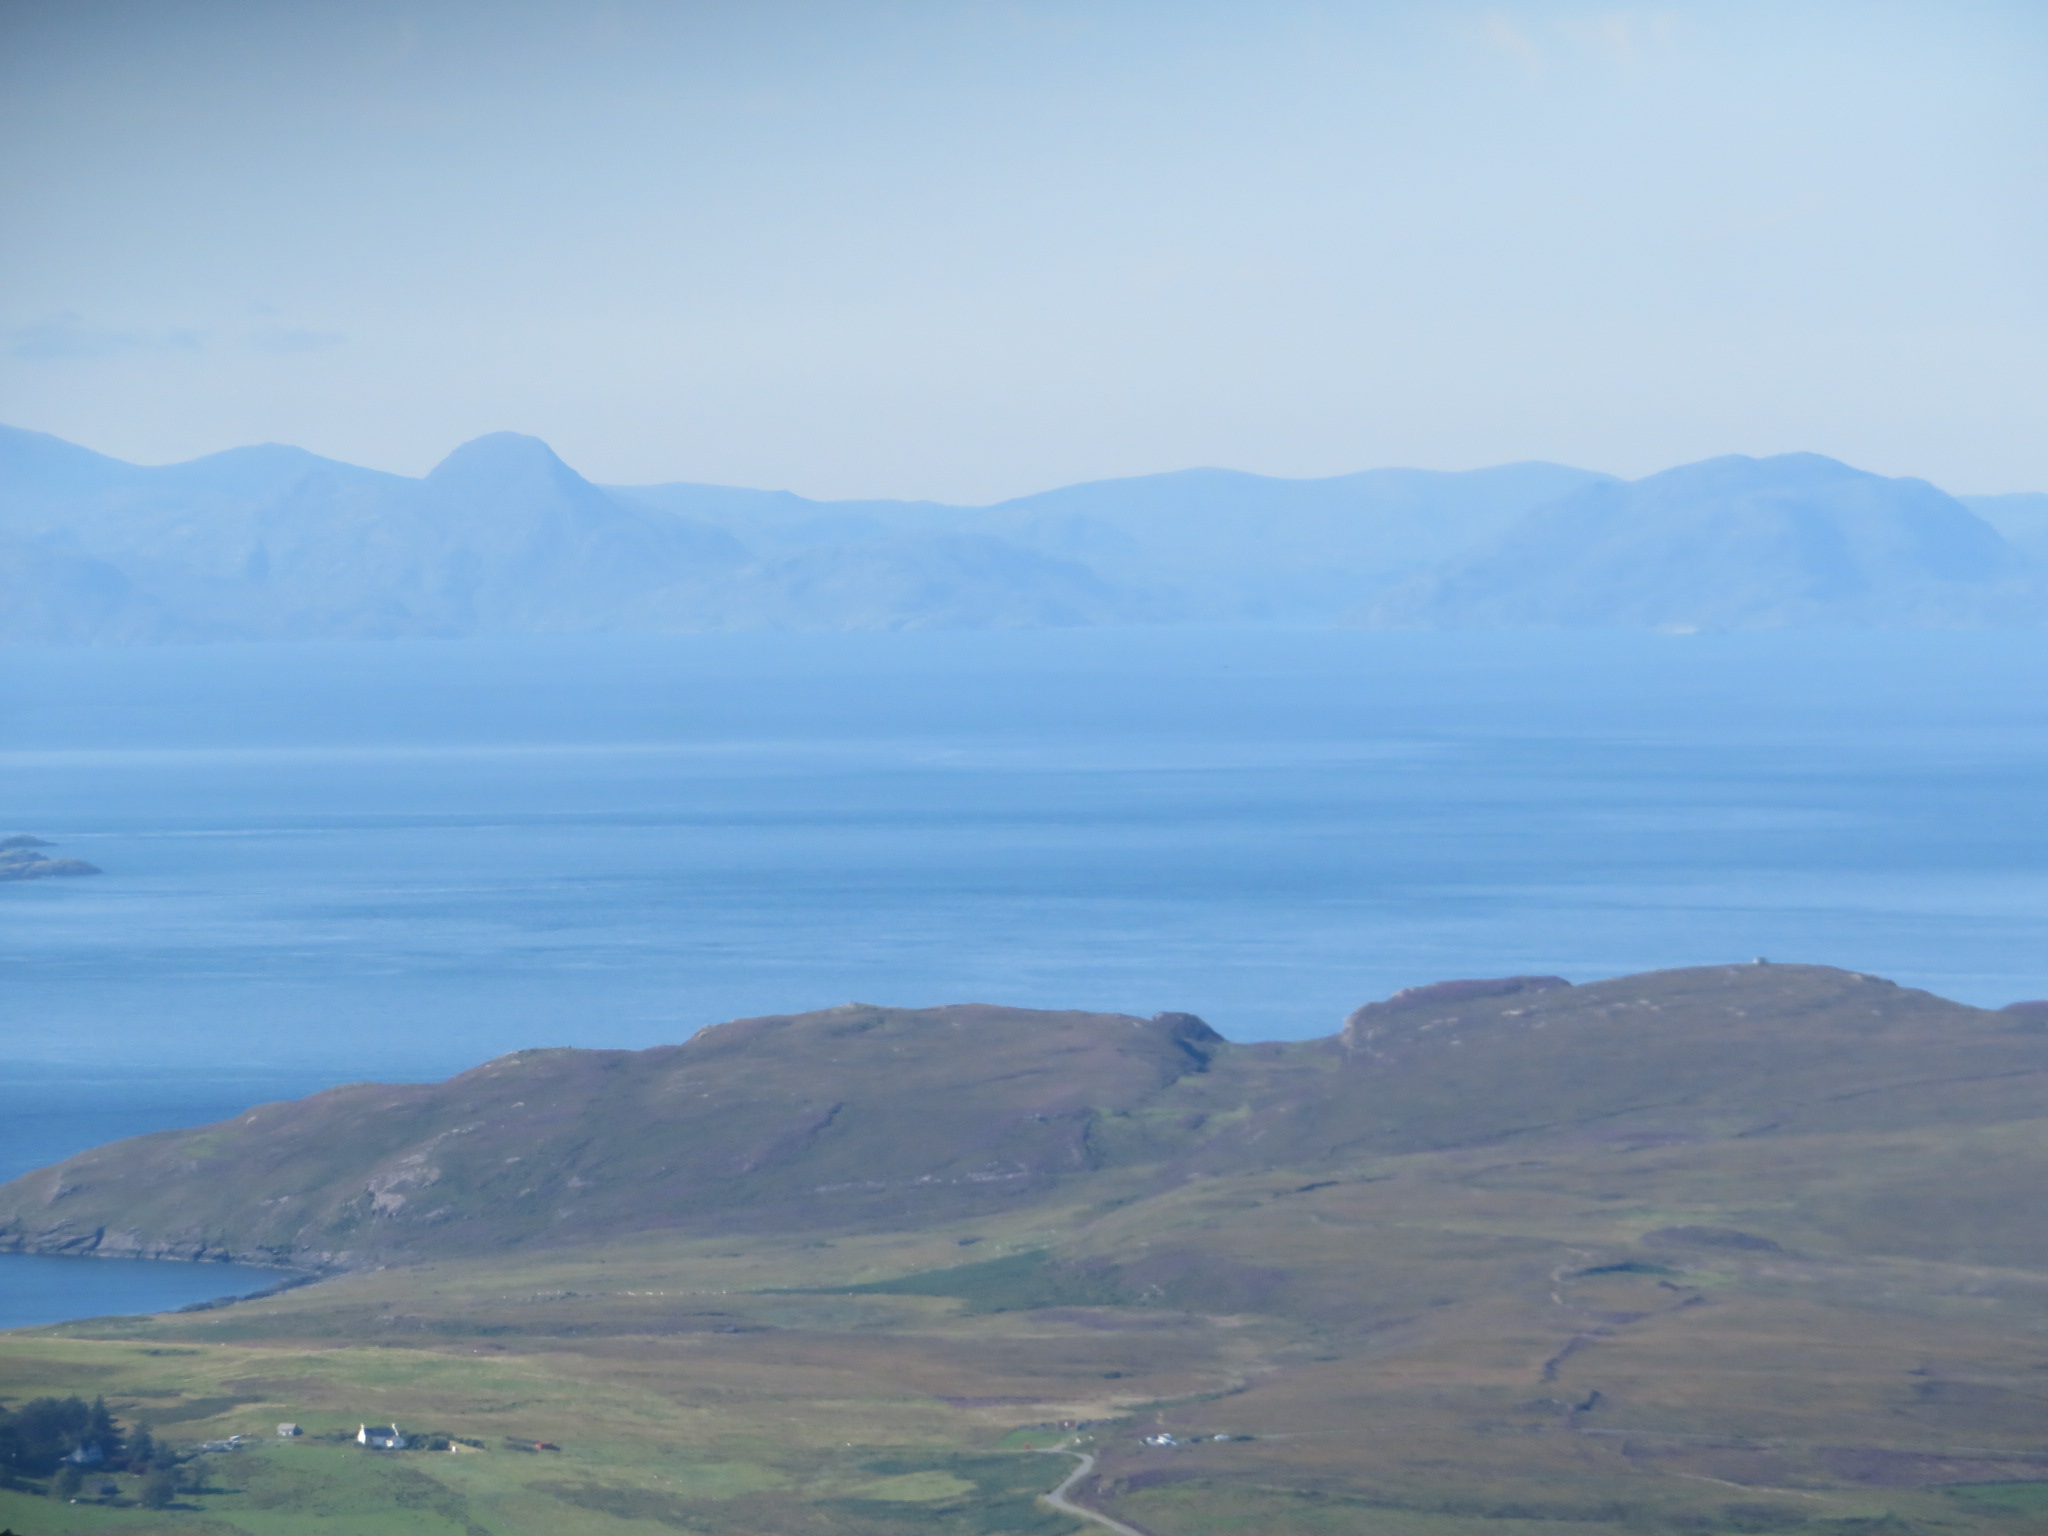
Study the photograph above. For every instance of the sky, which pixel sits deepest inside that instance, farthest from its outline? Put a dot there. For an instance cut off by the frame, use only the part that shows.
(968, 249)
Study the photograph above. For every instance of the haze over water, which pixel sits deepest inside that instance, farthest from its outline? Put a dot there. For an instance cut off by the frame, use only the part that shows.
(326, 863)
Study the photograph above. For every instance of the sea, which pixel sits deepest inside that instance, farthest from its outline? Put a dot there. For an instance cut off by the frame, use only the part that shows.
(335, 862)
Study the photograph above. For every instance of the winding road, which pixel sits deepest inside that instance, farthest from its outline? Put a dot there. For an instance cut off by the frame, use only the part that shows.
(1058, 1497)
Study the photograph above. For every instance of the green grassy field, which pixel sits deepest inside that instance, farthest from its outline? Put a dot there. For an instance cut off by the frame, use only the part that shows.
(1462, 1346)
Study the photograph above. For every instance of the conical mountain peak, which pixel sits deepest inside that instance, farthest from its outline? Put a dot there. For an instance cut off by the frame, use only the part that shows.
(501, 456)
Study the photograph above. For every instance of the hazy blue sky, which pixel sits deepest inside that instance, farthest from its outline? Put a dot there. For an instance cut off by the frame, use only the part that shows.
(965, 249)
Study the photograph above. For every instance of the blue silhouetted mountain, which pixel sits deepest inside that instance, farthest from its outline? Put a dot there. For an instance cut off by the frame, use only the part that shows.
(1245, 546)
(273, 542)
(276, 543)
(531, 545)
(1731, 543)
(1196, 544)
(35, 464)
(918, 581)
(502, 537)
(63, 599)
(2021, 516)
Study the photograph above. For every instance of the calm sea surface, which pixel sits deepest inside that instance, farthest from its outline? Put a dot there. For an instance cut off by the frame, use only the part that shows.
(35, 1289)
(334, 862)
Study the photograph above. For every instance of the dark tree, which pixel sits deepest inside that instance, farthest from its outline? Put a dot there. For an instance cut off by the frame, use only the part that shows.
(67, 1482)
(159, 1488)
(39, 1434)
(100, 1430)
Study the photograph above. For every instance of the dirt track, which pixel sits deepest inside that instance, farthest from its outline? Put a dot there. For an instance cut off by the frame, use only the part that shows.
(1058, 1497)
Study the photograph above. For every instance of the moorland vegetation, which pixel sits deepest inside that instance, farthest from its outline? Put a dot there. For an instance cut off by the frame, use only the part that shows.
(1730, 1249)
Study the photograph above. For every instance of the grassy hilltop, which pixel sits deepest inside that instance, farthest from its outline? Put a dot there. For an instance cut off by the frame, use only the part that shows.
(1745, 1248)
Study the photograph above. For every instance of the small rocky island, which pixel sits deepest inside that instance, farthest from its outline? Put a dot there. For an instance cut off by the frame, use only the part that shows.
(21, 858)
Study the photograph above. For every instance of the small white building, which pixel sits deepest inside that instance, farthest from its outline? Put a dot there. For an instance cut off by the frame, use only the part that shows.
(381, 1437)
(288, 1431)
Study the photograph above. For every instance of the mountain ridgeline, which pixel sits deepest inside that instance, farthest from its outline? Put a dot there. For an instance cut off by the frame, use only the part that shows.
(1732, 543)
(502, 537)
(869, 1118)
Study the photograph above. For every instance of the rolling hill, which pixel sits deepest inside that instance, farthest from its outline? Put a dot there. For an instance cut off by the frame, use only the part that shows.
(864, 1117)
(1731, 1249)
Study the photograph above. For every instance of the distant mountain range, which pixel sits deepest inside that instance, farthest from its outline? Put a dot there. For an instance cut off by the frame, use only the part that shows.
(502, 537)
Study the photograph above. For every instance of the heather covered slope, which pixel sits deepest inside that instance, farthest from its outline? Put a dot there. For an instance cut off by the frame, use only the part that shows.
(853, 1116)
(1712, 1053)
(867, 1118)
